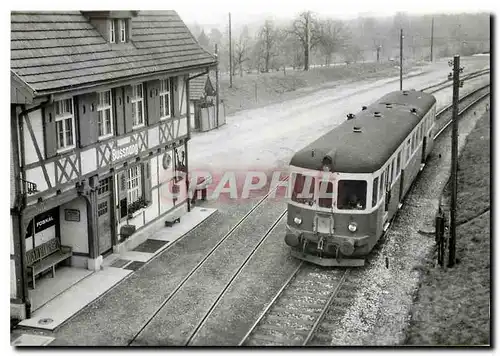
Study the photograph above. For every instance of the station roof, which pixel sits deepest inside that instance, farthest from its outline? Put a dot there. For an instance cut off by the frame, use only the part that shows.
(58, 51)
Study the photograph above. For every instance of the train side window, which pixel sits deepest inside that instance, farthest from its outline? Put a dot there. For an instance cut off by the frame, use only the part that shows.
(408, 151)
(381, 188)
(375, 192)
(351, 194)
(398, 164)
(325, 194)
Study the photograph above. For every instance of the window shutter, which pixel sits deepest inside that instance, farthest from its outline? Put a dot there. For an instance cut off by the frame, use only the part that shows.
(128, 108)
(174, 96)
(88, 119)
(50, 131)
(122, 193)
(146, 173)
(152, 101)
(118, 111)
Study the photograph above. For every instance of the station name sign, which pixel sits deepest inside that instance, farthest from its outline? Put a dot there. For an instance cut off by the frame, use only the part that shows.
(124, 151)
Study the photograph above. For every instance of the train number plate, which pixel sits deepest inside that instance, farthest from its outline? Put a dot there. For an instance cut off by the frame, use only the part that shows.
(324, 225)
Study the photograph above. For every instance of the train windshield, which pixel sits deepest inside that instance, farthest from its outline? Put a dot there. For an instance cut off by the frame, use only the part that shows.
(351, 194)
(303, 189)
(325, 194)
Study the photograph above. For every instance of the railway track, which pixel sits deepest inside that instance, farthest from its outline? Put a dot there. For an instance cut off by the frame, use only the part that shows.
(247, 219)
(448, 83)
(309, 306)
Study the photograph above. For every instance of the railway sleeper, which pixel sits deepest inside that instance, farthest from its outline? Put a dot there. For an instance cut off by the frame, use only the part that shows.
(298, 321)
(264, 340)
(305, 304)
(301, 293)
(342, 301)
(283, 329)
(321, 336)
(299, 313)
(285, 338)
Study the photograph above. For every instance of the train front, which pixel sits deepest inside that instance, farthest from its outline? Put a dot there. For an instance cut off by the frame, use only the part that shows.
(329, 221)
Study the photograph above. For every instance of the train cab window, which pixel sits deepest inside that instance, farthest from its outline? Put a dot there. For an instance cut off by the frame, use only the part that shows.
(375, 192)
(303, 184)
(351, 194)
(325, 198)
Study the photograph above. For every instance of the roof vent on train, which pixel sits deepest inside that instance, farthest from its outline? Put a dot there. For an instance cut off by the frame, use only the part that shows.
(312, 153)
(405, 92)
(413, 111)
(350, 116)
(377, 114)
(388, 105)
(364, 107)
(357, 129)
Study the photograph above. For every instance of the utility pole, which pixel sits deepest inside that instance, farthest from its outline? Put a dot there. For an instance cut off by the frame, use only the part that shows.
(230, 56)
(454, 159)
(432, 37)
(401, 60)
(378, 53)
(216, 84)
(306, 57)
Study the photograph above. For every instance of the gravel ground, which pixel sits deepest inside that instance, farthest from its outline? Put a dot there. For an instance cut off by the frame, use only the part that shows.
(116, 317)
(380, 312)
(177, 319)
(249, 293)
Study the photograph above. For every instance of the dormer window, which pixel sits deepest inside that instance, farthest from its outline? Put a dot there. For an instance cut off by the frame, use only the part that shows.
(118, 30)
(123, 30)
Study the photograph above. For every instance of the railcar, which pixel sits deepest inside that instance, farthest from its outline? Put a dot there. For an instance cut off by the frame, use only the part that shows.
(347, 185)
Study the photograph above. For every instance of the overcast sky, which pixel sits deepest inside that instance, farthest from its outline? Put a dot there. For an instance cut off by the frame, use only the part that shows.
(216, 11)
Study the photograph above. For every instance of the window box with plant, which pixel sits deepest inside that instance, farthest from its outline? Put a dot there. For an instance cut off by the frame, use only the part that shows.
(136, 207)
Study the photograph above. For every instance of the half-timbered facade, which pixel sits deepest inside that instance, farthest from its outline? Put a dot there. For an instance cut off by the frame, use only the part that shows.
(99, 107)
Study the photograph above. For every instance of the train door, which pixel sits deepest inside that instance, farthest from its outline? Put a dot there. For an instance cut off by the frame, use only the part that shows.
(424, 149)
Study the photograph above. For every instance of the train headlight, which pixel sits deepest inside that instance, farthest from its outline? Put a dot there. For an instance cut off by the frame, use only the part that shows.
(297, 220)
(353, 227)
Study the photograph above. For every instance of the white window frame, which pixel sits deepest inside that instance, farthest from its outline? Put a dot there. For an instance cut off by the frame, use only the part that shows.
(123, 31)
(102, 106)
(112, 31)
(63, 117)
(165, 92)
(134, 184)
(136, 99)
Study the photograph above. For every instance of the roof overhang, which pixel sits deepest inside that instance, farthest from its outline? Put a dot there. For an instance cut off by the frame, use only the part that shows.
(20, 92)
(103, 85)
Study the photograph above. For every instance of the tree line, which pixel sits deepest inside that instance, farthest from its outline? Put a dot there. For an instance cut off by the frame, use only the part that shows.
(310, 39)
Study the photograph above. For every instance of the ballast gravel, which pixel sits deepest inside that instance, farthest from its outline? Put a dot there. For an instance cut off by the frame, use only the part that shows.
(381, 308)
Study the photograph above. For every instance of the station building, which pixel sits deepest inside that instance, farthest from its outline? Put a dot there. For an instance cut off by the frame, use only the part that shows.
(99, 108)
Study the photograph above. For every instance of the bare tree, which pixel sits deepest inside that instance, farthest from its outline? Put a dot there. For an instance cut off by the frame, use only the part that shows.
(268, 39)
(241, 50)
(332, 37)
(307, 30)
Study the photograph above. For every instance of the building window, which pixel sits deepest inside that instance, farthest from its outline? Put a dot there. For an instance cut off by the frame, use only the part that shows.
(65, 127)
(105, 112)
(103, 186)
(165, 102)
(123, 31)
(137, 105)
(112, 31)
(134, 191)
(102, 208)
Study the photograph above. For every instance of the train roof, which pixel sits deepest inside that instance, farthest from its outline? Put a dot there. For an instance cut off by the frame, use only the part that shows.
(376, 137)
